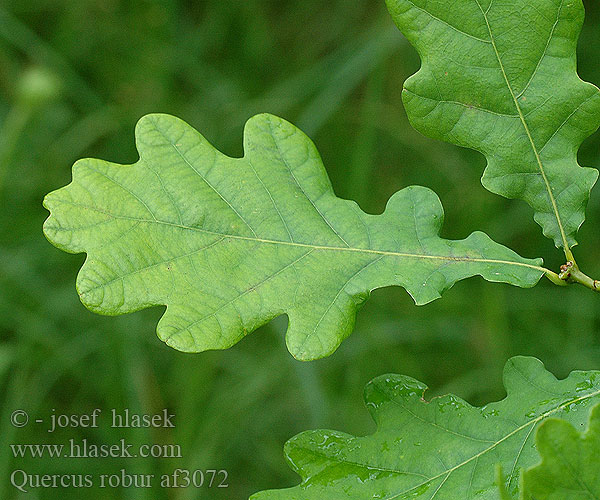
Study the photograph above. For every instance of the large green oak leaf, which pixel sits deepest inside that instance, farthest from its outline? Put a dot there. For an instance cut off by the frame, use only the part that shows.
(227, 244)
(499, 76)
(443, 448)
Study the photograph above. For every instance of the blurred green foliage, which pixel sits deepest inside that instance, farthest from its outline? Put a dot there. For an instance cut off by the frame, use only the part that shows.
(74, 79)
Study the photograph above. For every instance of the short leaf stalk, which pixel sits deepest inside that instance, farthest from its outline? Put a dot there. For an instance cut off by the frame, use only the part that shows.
(570, 273)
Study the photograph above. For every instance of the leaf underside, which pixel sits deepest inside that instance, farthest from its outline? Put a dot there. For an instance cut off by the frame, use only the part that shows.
(500, 77)
(444, 448)
(227, 243)
(570, 468)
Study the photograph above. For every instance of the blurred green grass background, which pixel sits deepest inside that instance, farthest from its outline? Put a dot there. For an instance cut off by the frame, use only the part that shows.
(75, 76)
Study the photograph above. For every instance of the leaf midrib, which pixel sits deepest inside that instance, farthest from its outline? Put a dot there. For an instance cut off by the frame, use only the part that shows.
(307, 245)
(529, 136)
